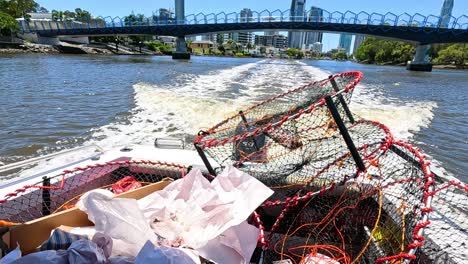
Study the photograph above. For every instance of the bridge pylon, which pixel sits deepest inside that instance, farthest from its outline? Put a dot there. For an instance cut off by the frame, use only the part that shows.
(181, 46)
(422, 59)
(181, 52)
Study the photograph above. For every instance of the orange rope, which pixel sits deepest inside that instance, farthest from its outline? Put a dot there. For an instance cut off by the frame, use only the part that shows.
(8, 223)
(66, 206)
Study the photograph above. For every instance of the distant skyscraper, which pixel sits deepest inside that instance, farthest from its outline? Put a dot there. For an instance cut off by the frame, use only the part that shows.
(246, 15)
(244, 37)
(345, 42)
(358, 39)
(297, 13)
(446, 13)
(276, 41)
(315, 15)
(270, 32)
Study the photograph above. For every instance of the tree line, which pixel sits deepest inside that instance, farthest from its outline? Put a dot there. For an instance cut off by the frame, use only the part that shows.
(381, 51)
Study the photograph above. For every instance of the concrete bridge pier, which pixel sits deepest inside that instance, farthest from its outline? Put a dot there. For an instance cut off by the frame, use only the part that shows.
(181, 47)
(47, 40)
(181, 52)
(422, 59)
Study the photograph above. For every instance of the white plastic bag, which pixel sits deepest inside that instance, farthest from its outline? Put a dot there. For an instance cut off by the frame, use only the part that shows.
(192, 211)
(84, 252)
(118, 218)
(235, 246)
(166, 255)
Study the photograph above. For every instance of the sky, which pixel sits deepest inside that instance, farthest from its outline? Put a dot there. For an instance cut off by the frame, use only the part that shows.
(147, 7)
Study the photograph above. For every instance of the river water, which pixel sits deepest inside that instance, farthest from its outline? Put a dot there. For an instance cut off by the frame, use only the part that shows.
(54, 102)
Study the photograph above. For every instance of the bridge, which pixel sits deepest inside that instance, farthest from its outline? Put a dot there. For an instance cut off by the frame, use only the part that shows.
(415, 28)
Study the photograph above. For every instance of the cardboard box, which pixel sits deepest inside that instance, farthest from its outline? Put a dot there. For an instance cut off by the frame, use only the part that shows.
(32, 234)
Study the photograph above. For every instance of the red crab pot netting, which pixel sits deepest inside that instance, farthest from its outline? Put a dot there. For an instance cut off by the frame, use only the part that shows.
(324, 162)
(373, 217)
(446, 238)
(34, 201)
(280, 133)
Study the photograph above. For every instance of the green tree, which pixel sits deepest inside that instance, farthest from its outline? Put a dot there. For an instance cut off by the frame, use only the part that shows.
(8, 24)
(189, 46)
(220, 39)
(134, 20)
(453, 54)
(18, 8)
(341, 55)
(82, 15)
(374, 50)
(249, 46)
(295, 53)
(158, 46)
(57, 14)
(222, 49)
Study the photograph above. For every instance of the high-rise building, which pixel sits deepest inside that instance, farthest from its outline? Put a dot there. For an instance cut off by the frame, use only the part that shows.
(244, 37)
(276, 41)
(345, 42)
(317, 47)
(246, 15)
(297, 13)
(446, 13)
(164, 13)
(358, 40)
(315, 15)
(270, 32)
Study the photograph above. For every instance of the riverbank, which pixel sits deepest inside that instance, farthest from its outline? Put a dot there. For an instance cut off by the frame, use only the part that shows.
(65, 48)
(434, 66)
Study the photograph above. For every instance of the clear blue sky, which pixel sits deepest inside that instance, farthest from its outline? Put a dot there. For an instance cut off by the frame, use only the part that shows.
(125, 7)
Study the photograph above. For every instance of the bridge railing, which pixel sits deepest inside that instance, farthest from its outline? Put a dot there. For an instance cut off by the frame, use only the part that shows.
(414, 21)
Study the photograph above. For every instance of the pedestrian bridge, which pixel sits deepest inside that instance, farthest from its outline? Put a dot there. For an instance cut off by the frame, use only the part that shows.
(413, 28)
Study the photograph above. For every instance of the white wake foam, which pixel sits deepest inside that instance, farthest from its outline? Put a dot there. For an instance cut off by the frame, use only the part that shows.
(403, 118)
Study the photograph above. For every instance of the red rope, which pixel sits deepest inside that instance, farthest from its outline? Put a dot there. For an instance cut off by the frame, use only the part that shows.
(97, 165)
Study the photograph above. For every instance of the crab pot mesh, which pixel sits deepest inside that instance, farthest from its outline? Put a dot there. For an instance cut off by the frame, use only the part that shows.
(447, 235)
(64, 190)
(370, 217)
(276, 137)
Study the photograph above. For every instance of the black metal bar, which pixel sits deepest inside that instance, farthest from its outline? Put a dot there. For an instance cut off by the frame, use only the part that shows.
(342, 100)
(247, 125)
(344, 133)
(205, 160)
(407, 157)
(45, 196)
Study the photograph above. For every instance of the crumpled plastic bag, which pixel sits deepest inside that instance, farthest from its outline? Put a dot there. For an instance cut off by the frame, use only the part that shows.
(84, 252)
(118, 218)
(121, 260)
(103, 242)
(234, 246)
(12, 256)
(196, 211)
(79, 252)
(46, 256)
(190, 211)
(151, 254)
